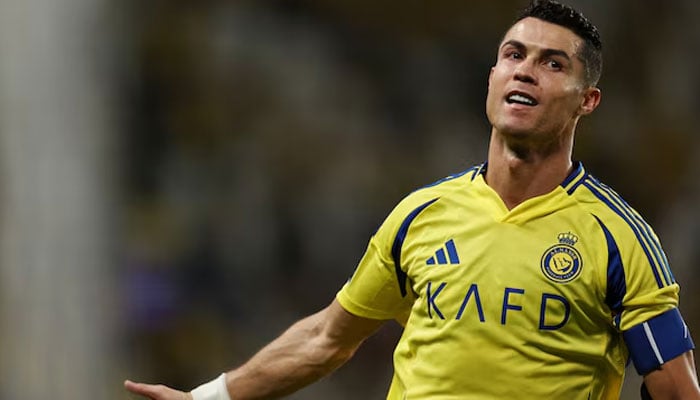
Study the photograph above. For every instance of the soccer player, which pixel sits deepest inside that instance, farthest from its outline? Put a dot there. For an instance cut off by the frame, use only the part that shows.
(524, 277)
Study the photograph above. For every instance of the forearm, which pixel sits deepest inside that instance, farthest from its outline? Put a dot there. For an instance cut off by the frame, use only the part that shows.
(309, 350)
(677, 379)
(300, 356)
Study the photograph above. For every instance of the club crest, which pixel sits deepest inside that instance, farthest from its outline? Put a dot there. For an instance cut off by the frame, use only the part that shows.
(562, 263)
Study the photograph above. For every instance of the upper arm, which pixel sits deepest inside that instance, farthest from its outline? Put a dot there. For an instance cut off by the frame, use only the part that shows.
(346, 330)
(373, 291)
(675, 379)
(642, 292)
(658, 340)
(380, 286)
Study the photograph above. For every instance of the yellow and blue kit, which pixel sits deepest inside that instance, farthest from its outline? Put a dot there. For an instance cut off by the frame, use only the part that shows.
(546, 300)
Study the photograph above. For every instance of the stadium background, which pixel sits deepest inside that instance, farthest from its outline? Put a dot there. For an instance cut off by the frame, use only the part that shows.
(182, 180)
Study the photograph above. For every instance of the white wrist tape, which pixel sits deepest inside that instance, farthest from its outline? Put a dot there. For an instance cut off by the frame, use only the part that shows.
(214, 390)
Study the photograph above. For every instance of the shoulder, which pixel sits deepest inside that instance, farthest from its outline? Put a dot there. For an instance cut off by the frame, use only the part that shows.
(413, 204)
(624, 227)
(608, 206)
(444, 187)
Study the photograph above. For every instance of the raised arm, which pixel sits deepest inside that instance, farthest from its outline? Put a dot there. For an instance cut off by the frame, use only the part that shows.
(309, 350)
(675, 379)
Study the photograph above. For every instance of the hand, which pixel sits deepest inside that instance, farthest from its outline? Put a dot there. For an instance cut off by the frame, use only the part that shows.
(156, 392)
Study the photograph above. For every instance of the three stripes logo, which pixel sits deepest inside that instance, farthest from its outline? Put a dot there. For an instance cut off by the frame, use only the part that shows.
(446, 255)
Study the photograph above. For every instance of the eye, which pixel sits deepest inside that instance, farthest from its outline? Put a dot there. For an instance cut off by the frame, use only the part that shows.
(554, 64)
(514, 54)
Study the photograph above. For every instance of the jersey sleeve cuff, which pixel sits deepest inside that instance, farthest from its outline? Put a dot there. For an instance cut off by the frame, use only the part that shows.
(658, 340)
(359, 310)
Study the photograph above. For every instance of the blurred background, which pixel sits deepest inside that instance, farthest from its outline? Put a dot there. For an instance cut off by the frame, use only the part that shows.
(182, 180)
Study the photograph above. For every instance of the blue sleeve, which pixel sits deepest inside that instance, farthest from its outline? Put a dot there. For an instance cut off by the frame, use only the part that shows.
(658, 340)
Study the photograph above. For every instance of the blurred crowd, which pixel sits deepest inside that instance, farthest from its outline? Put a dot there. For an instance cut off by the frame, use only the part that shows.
(264, 142)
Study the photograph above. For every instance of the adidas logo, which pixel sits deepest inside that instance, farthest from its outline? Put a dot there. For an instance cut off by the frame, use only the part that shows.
(445, 255)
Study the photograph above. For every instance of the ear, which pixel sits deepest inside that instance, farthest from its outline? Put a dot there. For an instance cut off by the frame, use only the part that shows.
(591, 99)
(490, 75)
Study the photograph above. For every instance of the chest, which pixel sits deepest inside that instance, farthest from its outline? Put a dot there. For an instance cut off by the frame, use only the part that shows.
(471, 261)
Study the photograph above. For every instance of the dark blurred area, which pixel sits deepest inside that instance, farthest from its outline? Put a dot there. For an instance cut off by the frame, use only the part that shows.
(261, 143)
(267, 140)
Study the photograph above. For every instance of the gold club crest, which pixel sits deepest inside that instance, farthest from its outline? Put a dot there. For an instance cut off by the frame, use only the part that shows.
(562, 263)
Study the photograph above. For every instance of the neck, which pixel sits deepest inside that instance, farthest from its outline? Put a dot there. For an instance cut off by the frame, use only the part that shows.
(519, 171)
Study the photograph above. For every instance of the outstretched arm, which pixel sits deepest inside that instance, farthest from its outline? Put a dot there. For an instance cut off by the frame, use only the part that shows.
(309, 350)
(675, 379)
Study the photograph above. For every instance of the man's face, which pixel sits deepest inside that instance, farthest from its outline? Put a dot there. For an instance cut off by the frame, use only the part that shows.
(536, 89)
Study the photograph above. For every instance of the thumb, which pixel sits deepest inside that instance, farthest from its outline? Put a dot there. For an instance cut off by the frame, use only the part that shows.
(139, 388)
(154, 392)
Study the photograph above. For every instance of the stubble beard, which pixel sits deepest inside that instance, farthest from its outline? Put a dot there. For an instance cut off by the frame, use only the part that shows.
(528, 145)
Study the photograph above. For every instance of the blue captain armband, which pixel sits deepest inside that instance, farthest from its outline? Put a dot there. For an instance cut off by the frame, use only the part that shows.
(658, 340)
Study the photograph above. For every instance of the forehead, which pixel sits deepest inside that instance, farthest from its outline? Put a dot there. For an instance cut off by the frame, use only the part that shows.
(533, 32)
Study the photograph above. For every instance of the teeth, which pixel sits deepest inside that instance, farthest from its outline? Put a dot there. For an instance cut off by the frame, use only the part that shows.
(519, 98)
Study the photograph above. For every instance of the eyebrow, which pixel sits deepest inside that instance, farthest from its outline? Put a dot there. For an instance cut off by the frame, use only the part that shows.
(546, 52)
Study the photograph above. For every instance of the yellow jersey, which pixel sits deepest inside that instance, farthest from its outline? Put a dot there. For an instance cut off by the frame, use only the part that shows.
(527, 303)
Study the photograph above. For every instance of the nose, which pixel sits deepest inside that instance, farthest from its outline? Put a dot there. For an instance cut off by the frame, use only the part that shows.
(525, 72)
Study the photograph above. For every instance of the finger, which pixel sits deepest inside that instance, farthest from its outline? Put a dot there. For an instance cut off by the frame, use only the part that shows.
(134, 387)
(142, 389)
(156, 392)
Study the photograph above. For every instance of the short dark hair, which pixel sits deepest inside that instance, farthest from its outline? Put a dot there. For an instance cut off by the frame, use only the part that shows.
(591, 54)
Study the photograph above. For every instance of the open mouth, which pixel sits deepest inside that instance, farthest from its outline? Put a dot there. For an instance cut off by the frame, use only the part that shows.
(521, 98)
